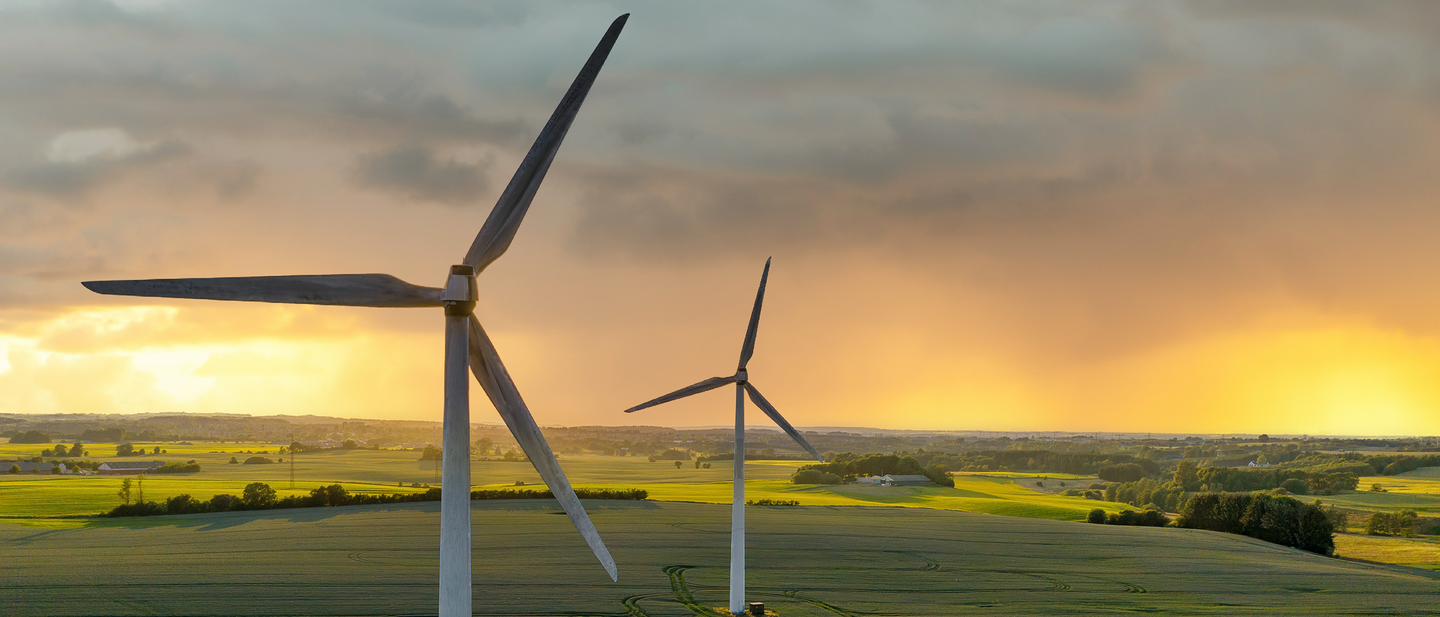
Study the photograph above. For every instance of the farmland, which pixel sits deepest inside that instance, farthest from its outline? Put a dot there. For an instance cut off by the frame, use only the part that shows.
(27, 495)
(804, 561)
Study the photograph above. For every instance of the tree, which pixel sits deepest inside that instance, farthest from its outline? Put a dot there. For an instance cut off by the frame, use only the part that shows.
(125, 449)
(484, 444)
(258, 495)
(1186, 477)
(140, 488)
(124, 492)
(1096, 516)
(432, 453)
(1124, 472)
(1295, 486)
(697, 463)
(234, 461)
(678, 464)
(349, 444)
(1263, 438)
(78, 449)
(31, 437)
(14, 469)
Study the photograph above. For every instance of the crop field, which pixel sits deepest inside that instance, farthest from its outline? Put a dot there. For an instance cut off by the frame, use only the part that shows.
(1403, 491)
(383, 471)
(1417, 552)
(673, 558)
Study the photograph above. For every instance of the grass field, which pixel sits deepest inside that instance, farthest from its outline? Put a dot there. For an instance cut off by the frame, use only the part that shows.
(803, 561)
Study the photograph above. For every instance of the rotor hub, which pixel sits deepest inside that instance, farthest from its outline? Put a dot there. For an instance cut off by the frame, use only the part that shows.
(741, 377)
(460, 292)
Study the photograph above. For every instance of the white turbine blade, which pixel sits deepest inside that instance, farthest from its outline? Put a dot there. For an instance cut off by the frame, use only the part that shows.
(769, 410)
(378, 290)
(749, 347)
(490, 372)
(499, 228)
(704, 386)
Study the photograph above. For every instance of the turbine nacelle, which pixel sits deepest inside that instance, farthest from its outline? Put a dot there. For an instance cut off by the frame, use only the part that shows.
(460, 292)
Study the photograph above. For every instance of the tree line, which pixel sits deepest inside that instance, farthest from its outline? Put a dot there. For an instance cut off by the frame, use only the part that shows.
(1272, 518)
(260, 496)
(847, 466)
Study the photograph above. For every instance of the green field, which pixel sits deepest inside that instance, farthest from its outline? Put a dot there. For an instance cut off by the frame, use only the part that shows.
(804, 561)
(1420, 493)
(30, 495)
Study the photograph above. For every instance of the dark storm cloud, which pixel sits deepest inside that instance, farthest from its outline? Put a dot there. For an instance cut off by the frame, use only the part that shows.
(417, 173)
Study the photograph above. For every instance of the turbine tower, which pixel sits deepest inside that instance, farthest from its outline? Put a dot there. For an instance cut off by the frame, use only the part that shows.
(466, 345)
(741, 379)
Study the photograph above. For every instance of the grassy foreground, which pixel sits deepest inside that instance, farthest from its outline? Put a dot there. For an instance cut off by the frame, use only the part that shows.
(805, 561)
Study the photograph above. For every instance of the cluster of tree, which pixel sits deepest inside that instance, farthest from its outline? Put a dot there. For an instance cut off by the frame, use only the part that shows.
(1079, 463)
(126, 449)
(257, 460)
(1304, 482)
(1400, 523)
(814, 476)
(1147, 518)
(187, 467)
(61, 451)
(848, 465)
(1278, 519)
(260, 496)
(31, 437)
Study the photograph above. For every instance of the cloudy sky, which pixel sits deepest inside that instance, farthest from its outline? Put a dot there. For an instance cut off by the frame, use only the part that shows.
(1134, 216)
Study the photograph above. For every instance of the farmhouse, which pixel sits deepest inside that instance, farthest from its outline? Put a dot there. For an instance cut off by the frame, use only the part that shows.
(35, 467)
(904, 480)
(127, 468)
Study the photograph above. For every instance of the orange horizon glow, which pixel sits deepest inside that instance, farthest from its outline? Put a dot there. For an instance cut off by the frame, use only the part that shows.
(1136, 217)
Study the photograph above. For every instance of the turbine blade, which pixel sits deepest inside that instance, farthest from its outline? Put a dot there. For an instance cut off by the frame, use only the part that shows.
(769, 410)
(749, 348)
(499, 229)
(704, 386)
(491, 373)
(380, 290)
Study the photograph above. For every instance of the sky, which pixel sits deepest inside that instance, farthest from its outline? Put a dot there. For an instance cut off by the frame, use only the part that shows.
(1211, 217)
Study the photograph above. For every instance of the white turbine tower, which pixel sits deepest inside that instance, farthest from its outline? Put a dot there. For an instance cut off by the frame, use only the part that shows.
(741, 379)
(466, 344)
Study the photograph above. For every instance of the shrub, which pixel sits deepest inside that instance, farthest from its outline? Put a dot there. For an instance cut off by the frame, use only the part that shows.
(14, 468)
(1096, 516)
(190, 467)
(1147, 518)
(259, 460)
(233, 461)
(772, 502)
(814, 476)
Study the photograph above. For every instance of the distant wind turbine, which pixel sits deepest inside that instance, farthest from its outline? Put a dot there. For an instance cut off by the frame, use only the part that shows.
(741, 379)
(466, 344)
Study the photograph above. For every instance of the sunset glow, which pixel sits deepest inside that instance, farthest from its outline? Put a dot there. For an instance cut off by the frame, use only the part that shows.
(1187, 218)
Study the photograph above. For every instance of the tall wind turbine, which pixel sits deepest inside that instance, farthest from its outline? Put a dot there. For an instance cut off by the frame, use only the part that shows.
(741, 379)
(466, 344)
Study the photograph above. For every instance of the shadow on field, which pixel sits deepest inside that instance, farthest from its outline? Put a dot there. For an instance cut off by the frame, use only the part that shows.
(224, 520)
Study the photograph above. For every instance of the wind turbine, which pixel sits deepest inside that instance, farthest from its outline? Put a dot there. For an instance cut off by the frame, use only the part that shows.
(466, 344)
(741, 379)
